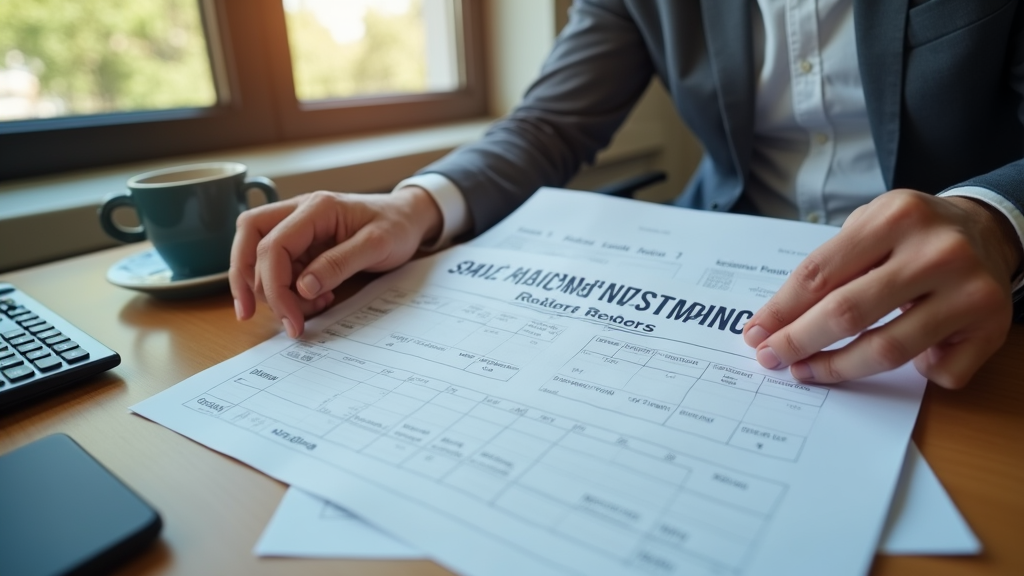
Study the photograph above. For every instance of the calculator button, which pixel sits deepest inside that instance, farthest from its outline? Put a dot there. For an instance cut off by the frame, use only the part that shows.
(47, 364)
(29, 347)
(37, 354)
(48, 334)
(10, 362)
(21, 340)
(41, 328)
(27, 318)
(54, 339)
(74, 355)
(13, 334)
(65, 346)
(6, 352)
(18, 373)
(30, 323)
(17, 311)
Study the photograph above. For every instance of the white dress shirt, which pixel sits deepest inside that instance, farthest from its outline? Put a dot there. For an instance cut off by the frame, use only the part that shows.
(814, 158)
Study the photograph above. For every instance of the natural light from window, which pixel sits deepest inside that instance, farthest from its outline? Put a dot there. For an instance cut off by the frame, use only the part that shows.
(83, 57)
(353, 48)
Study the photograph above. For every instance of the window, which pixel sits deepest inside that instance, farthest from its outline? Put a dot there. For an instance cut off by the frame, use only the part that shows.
(102, 57)
(91, 82)
(371, 48)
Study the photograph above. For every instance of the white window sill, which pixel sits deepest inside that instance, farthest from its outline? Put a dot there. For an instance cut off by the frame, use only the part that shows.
(51, 217)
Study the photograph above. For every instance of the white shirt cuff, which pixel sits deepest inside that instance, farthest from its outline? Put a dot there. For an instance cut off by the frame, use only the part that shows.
(1005, 207)
(454, 210)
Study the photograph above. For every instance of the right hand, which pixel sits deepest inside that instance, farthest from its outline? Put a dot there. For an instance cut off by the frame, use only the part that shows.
(292, 254)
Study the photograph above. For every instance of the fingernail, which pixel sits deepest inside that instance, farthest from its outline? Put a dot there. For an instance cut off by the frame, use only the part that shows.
(289, 328)
(238, 309)
(310, 285)
(768, 358)
(755, 336)
(802, 371)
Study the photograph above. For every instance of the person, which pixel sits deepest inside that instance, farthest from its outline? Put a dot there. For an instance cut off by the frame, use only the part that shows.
(902, 120)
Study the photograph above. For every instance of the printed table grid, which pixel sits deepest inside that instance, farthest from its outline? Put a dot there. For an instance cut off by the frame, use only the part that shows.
(762, 285)
(737, 407)
(457, 334)
(636, 501)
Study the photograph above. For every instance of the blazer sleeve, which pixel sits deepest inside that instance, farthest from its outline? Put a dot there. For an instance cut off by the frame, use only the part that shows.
(1008, 180)
(597, 70)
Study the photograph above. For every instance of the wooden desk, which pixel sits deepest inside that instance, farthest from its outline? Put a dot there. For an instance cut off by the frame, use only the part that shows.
(214, 508)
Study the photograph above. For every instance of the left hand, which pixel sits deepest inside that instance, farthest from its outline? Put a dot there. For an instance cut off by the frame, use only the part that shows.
(945, 261)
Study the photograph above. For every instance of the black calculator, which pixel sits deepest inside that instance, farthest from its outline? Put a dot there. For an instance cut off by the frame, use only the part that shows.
(41, 351)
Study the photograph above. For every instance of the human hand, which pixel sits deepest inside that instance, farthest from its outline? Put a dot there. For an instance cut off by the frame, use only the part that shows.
(292, 254)
(945, 261)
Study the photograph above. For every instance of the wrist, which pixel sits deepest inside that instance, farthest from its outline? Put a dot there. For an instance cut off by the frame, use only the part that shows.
(423, 212)
(1003, 240)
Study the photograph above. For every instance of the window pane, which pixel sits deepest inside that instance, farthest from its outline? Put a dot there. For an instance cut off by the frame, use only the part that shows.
(78, 57)
(347, 48)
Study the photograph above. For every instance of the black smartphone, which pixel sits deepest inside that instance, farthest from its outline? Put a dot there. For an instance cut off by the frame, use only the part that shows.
(62, 512)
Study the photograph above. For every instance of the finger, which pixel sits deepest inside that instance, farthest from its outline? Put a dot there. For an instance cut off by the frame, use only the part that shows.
(251, 227)
(307, 308)
(273, 282)
(317, 305)
(844, 312)
(842, 258)
(856, 215)
(365, 249)
(890, 346)
(951, 364)
(312, 222)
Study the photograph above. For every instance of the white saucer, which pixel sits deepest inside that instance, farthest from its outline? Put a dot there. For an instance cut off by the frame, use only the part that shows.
(147, 272)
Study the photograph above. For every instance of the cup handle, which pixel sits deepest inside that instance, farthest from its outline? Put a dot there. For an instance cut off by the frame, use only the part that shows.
(265, 185)
(116, 231)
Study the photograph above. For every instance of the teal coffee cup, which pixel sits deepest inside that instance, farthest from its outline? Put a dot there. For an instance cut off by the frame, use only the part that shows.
(188, 213)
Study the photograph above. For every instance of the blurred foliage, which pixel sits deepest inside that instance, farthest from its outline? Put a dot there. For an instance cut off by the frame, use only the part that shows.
(389, 57)
(95, 56)
(100, 56)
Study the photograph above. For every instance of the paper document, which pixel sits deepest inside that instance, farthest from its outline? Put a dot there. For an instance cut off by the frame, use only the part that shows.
(510, 413)
(730, 253)
(923, 519)
(310, 527)
(704, 247)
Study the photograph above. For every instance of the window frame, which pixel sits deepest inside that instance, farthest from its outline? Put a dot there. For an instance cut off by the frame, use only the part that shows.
(362, 114)
(251, 61)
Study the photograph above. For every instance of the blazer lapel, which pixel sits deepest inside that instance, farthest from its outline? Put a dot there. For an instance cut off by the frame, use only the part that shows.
(728, 32)
(880, 29)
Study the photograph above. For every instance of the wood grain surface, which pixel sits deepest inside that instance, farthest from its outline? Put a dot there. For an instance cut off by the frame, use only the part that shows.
(215, 508)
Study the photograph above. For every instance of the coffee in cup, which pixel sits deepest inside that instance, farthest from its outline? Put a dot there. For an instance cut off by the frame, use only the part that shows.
(188, 213)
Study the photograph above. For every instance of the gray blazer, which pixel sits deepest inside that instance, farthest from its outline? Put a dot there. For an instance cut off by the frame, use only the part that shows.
(938, 79)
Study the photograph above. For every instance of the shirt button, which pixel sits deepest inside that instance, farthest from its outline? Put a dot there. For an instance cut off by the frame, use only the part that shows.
(813, 217)
(806, 66)
(820, 138)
